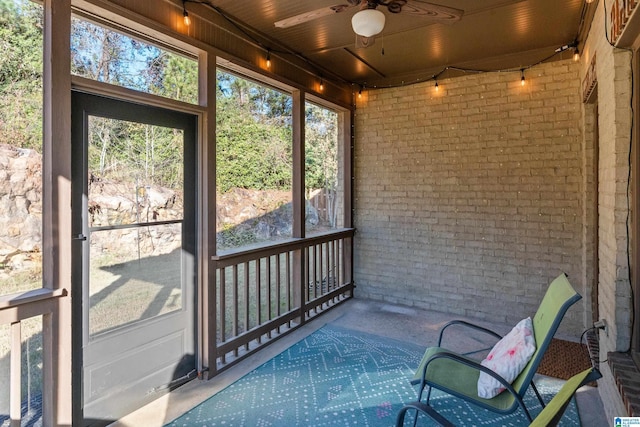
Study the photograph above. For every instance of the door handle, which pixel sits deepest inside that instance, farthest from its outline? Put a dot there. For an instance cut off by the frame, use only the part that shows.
(79, 237)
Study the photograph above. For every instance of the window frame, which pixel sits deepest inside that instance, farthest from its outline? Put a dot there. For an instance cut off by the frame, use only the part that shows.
(300, 98)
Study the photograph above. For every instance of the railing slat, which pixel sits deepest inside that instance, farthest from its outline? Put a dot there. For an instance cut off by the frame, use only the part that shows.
(327, 274)
(278, 287)
(223, 309)
(234, 281)
(269, 291)
(308, 273)
(288, 282)
(247, 320)
(334, 265)
(16, 375)
(259, 294)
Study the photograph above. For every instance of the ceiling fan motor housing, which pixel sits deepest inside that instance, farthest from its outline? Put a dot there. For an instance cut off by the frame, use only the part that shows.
(368, 22)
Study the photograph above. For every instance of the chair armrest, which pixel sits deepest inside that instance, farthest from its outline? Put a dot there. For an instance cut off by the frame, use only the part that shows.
(468, 325)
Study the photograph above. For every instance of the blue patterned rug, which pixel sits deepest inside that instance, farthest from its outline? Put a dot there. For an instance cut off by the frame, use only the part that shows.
(340, 377)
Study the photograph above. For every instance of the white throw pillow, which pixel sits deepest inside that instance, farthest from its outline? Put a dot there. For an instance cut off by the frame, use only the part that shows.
(507, 358)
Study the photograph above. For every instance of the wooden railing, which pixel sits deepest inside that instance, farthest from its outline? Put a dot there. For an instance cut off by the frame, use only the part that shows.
(260, 295)
(264, 293)
(14, 310)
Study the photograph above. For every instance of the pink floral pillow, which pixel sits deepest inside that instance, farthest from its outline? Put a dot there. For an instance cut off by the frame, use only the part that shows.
(507, 358)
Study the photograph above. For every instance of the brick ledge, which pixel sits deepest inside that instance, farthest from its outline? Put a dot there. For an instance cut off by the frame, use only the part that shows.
(627, 377)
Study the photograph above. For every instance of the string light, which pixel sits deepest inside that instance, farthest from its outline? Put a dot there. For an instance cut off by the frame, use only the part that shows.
(437, 88)
(360, 92)
(321, 85)
(185, 14)
(573, 45)
(576, 54)
(268, 59)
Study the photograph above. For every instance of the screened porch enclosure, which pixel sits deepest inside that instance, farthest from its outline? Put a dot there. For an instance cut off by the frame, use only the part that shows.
(241, 232)
(469, 186)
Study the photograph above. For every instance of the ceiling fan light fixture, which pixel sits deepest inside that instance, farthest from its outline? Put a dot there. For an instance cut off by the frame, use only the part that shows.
(368, 22)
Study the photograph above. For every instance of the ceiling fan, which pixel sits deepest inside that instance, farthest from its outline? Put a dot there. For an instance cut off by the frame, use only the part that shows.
(369, 21)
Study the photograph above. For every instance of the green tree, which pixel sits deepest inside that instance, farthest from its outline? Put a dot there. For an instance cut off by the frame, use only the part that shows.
(21, 26)
(116, 147)
(173, 76)
(321, 151)
(251, 154)
(253, 135)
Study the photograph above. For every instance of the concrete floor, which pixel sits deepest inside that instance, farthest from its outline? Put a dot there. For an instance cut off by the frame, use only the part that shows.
(397, 322)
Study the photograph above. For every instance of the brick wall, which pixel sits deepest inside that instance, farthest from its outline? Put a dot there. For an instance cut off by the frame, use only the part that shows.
(470, 200)
(614, 122)
(613, 71)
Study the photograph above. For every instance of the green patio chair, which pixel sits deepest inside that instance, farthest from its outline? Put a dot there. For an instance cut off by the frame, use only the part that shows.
(550, 415)
(457, 374)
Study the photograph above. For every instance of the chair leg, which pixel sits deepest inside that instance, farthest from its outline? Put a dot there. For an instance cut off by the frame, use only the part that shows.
(422, 387)
(415, 420)
(524, 408)
(426, 410)
(535, 390)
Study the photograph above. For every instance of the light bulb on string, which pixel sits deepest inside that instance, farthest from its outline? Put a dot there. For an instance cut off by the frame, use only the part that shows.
(321, 85)
(185, 14)
(360, 93)
(268, 59)
(437, 87)
(576, 54)
(522, 78)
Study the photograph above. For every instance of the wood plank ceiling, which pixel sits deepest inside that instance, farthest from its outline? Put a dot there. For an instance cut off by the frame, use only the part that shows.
(491, 35)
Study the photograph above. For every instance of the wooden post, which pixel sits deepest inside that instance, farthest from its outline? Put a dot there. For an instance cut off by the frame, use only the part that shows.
(347, 140)
(299, 282)
(56, 213)
(206, 321)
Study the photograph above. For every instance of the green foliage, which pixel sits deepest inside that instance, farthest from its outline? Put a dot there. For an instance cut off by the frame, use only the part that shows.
(121, 150)
(21, 73)
(234, 237)
(253, 136)
(150, 155)
(179, 78)
(321, 150)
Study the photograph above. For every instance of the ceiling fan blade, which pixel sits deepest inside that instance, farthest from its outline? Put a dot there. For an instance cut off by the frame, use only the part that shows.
(314, 14)
(443, 14)
(363, 42)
